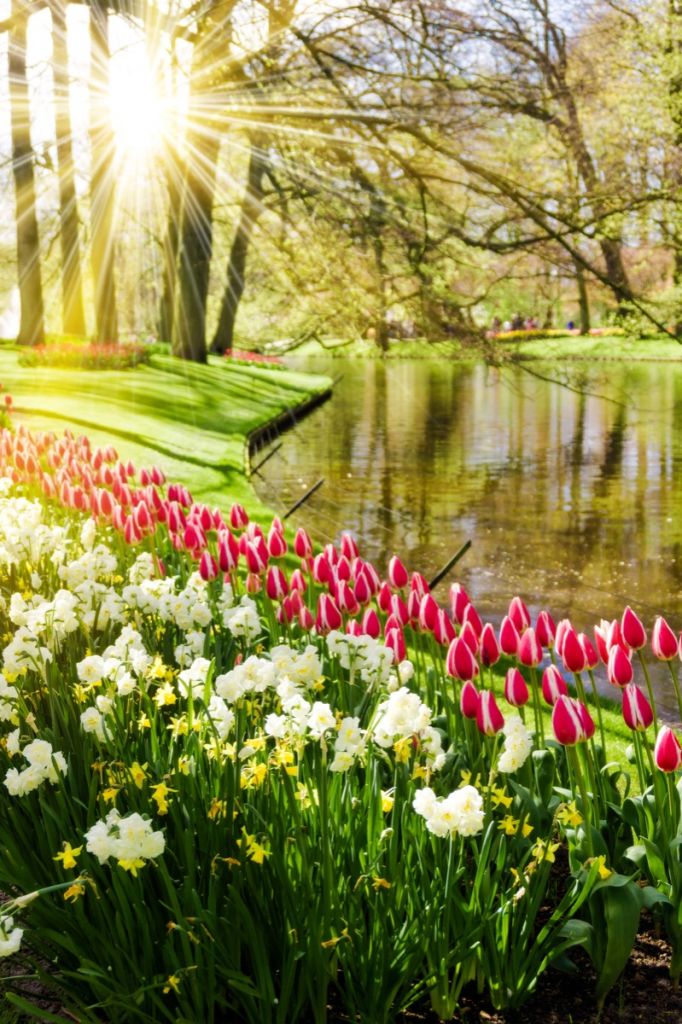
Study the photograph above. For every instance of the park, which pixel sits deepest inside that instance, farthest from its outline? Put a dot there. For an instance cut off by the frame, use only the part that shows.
(340, 535)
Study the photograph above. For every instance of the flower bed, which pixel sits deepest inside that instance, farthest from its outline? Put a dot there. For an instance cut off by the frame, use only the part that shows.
(75, 355)
(235, 792)
(239, 355)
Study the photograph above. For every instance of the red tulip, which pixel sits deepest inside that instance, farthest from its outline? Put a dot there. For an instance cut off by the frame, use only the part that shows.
(348, 546)
(254, 583)
(443, 631)
(472, 617)
(469, 637)
(591, 656)
(413, 600)
(238, 517)
(553, 685)
(567, 721)
(328, 614)
(509, 636)
(228, 551)
(131, 532)
(428, 613)
(305, 618)
(276, 586)
(295, 600)
(637, 710)
(194, 537)
(545, 630)
(286, 611)
(397, 573)
(353, 628)
(362, 589)
(469, 700)
(298, 581)
(490, 649)
(614, 636)
(342, 569)
(663, 640)
(395, 641)
(619, 667)
(208, 567)
(563, 626)
(460, 662)
(489, 718)
(398, 608)
(518, 613)
(384, 598)
(346, 599)
(459, 600)
(529, 650)
(515, 688)
(418, 584)
(667, 752)
(572, 652)
(302, 544)
(277, 545)
(633, 631)
(392, 622)
(370, 623)
(322, 572)
(256, 556)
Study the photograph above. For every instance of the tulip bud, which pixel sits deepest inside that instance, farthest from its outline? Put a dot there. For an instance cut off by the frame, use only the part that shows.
(515, 688)
(591, 656)
(298, 581)
(277, 545)
(518, 613)
(349, 548)
(362, 588)
(619, 667)
(392, 622)
(489, 718)
(469, 700)
(208, 567)
(256, 557)
(305, 618)
(194, 537)
(228, 551)
(667, 752)
(567, 721)
(418, 584)
(443, 631)
(342, 569)
(131, 532)
(490, 649)
(563, 625)
(459, 600)
(428, 613)
(238, 517)
(285, 612)
(545, 630)
(529, 651)
(395, 641)
(384, 598)
(637, 710)
(601, 633)
(295, 600)
(276, 586)
(633, 631)
(509, 637)
(553, 685)
(398, 608)
(572, 652)
(469, 637)
(472, 617)
(397, 573)
(328, 614)
(322, 571)
(370, 623)
(254, 583)
(663, 640)
(614, 636)
(353, 628)
(302, 544)
(460, 661)
(346, 599)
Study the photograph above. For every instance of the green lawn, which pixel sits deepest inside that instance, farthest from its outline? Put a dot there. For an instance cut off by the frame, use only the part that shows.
(191, 420)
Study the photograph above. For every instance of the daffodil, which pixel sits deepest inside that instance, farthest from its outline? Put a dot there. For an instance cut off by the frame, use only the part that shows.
(68, 855)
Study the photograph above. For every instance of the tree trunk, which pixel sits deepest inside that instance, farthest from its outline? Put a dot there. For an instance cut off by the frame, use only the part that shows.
(583, 298)
(236, 266)
(32, 322)
(73, 314)
(169, 254)
(103, 180)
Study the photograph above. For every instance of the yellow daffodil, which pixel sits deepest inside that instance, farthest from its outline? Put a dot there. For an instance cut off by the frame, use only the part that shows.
(68, 855)
(380, 883)
(568, 814)
(387, 801)
(74, 892)
(138, 774)
(132, 865)
(159, 794)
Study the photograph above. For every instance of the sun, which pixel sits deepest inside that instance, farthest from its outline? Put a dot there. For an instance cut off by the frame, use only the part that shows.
(139, 113)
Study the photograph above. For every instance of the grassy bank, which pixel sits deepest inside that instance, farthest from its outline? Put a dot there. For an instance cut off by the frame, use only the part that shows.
(191, 420)
(565, 347)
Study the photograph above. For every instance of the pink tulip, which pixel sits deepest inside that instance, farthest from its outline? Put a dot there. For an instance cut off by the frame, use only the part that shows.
(254, 583)
(469, 637)
(238, 517)
(489, 718)
(346, 599)
(443, 631)
(342, 569)
(614, 636)
(328, 614)
(591, 656)
(276, 586)
(398, 608)
(567, 721)
(208, 567)
(529, 651)
(428, 613)
(395, 641)
(619, 667)
(256, 556)
(305, 618)
(413, 601)
(545, 630)
(418, 584)
(298, 581)
(509, 637)
(472, 618)
(349, 548)
(553, 685)
(370, 623)
(562, 627)
(363, 592)
(663, 640)
(131, 532)
(277, 545)
(397, 573)
(518, 613)
(302, 544)
(228, 551)
(572, 653)
(667, 752)
(459, 600)
(515, 688)
(637, 710)
(384, 598)
(469, 700)
(633, 631)
(490, 649)
(460, 662)
(322, 571)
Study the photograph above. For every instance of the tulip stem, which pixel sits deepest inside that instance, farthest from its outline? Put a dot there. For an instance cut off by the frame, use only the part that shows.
(536, 705)
(649, 687)
(640, 761)
(577, 771)
(676, 684)
(597, 704)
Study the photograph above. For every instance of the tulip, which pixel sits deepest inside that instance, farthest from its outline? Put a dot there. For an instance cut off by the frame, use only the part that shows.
(572, 652)
(443, 631)
(633, 631)
(238, 517)
(663, 640)
(208, 567)
(143, 517)
(331, 553)
(469, 700)
(346, 599)
(619, 667)
(384, 598)
(277, 545)
(131, 532)
(398, 608)
(418, 584)
(459, 600)
(342, 569)
(276, 586)
(228, 551)
(614, 636)
(553, 685)
(298, 581)
(561, 629)
(428, 613)
(285, 612)
(545, 630)
(518, 613)
(363, 592)
(397, 573)
(460, 661)
(392, 622)
(349, 548)
(322, 572)
(529, 650)
(586, 719)
(567, 721)
(370, 623)
(328, 614)
(489, 718)
(254, 583)
(667, 752)
(305, 618)
(515, 688)
(353, 628)
(472, 617)
(302, 544)
(509, 637)
(295, 600)
(490, 649)
(373, 577)
(194, 537)
(395, 641)
(256, 557)
(637, 710)
(591, 656)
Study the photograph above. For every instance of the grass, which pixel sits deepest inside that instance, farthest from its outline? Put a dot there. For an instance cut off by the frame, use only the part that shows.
(191, 420)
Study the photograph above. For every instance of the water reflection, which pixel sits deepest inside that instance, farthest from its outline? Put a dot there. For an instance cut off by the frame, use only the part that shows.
(570, 497)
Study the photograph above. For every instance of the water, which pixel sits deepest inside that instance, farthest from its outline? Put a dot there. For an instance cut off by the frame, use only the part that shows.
(571, 495)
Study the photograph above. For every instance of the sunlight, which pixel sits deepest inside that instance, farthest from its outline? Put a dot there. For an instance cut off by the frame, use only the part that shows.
(139, 113)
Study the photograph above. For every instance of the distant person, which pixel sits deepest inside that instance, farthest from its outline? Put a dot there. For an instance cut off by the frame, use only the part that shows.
(517, 322)
(570, 325)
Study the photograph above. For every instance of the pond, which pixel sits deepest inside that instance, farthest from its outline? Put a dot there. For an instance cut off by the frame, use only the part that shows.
(570, 492)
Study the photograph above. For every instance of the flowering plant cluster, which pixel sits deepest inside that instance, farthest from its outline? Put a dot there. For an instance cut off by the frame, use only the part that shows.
(242, 779)
(76, 355)
(239, 355)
